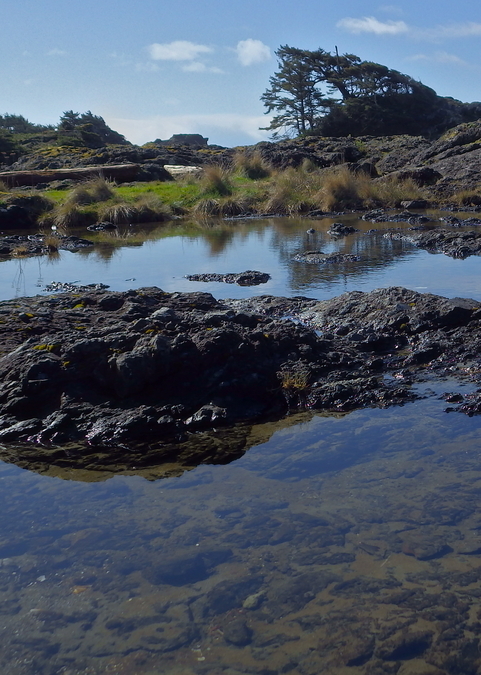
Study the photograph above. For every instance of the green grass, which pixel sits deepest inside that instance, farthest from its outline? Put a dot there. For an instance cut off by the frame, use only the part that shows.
(223, 193)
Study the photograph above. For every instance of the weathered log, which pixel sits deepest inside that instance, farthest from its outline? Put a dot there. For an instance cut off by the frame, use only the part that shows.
(119, 172)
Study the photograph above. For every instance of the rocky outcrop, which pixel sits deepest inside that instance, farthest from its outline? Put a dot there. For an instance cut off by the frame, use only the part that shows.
(454, 244)
(133, 375)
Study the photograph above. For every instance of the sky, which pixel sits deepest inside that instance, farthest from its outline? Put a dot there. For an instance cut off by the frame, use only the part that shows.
(153, 68)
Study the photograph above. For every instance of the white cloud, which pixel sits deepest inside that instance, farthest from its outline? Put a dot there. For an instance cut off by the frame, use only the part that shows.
(179, 50)
(369, 24)
(163, 126)
(198, 67)
(252, 51)
(439, 57)
(56, 52)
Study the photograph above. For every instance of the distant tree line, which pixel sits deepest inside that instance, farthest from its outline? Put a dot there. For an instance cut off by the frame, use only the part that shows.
(319, 92)
(74, 129)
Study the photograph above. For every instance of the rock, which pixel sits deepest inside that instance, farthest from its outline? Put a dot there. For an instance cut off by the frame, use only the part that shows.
(178, 570)
(341, 230)
(253, 601)
(358, 650)
(407, 645)
(102, 227)
(415, 204)
(149, 368)
(316, 257)
(248, 278)
(237, 632)
(206, 416)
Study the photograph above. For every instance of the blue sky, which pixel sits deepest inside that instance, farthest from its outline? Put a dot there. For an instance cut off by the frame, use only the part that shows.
(157, 67)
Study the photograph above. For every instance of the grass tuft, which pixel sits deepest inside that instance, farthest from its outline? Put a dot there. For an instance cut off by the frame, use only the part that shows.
(215, 181)
(251, 164)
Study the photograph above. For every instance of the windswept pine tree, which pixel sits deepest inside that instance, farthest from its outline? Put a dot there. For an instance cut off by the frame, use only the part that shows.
(318, 92)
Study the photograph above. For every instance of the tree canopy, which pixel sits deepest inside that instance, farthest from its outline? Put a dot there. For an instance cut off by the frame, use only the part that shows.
(87, 129)
(18, 124)
(318, 92)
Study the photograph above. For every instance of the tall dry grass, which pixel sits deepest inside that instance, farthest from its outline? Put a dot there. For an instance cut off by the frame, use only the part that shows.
(215, 181)
(91, 191)
(293, 191)
(251, 164)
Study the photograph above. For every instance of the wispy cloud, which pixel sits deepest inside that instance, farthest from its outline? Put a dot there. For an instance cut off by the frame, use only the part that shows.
(369, 24)
(56, 52)
(252, 51)
(163, 126)
(439, 57)
(179, 50)
(454, 30)
(199, 67)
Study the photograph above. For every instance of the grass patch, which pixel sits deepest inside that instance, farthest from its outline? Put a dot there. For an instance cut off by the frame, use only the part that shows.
(222, 193)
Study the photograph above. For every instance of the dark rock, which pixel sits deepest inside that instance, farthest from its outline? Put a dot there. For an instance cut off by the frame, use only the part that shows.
(177, 571)
(316, 257)
(341, 230)
(102, 227)
(408, 645)
(237, 632)
(248, 278)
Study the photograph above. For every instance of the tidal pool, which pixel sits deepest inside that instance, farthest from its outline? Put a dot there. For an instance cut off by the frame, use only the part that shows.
(162, 256)
(336, 544)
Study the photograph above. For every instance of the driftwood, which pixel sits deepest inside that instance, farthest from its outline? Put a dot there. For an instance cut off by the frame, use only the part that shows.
(119, 172)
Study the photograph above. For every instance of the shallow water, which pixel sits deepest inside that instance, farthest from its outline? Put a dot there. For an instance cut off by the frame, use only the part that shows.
(283, 561)
(336, 544)
(163, 255)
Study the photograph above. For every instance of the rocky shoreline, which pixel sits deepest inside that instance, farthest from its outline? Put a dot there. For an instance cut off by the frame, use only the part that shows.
(96, 379)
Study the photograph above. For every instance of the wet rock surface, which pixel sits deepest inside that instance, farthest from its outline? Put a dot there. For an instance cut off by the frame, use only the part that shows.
(93, 377)
(320, 258)
(455, 244)
(40, 244)
(247, 278)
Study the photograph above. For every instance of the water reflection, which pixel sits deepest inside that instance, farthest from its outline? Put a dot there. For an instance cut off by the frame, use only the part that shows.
(338, 545)
(163, 255)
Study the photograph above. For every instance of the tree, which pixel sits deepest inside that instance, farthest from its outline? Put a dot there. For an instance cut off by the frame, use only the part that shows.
(18, 124)
(331, 94)
(293, 93)
(89, 129)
